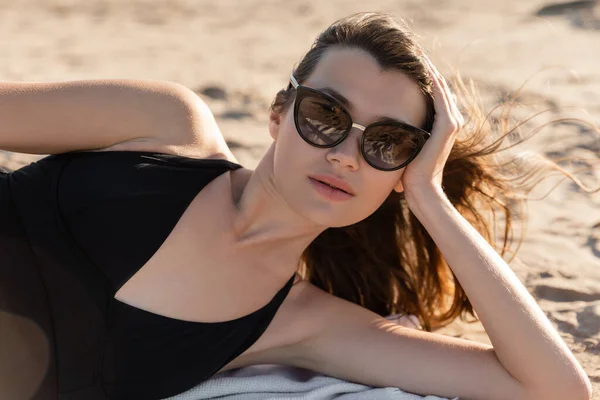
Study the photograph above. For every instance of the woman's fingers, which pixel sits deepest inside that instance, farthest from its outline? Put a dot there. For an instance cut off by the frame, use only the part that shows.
(432, 158)
(451, 103)
(441, 103)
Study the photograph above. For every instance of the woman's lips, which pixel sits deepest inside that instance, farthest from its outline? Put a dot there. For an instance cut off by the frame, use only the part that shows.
(329, 192)
(334, 181)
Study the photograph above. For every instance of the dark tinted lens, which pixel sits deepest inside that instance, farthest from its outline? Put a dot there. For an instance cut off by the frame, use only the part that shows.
(321, 121)
(388, 146)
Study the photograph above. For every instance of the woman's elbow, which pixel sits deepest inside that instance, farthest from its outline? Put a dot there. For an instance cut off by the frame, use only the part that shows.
(572, 389)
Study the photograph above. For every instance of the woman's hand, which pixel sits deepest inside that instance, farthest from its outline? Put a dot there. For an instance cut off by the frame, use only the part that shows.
(426, 170)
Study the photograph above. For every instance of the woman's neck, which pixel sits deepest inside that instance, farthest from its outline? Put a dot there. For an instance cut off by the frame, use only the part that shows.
(263, 221)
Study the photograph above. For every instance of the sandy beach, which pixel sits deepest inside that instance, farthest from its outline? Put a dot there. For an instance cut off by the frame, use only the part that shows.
(236, 54)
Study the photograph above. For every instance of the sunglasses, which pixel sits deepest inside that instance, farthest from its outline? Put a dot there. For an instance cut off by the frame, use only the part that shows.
(323, 121)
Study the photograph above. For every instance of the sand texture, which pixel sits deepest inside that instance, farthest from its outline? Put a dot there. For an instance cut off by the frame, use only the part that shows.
(237, 54)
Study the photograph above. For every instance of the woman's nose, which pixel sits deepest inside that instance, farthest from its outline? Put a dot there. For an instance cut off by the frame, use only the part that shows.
(347, 153)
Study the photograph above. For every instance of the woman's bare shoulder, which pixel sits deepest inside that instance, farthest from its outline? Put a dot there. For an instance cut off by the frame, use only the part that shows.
(126, 114)
(194, 133)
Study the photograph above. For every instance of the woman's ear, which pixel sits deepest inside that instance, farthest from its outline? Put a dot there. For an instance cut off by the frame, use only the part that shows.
(399, 188)
(274, 123)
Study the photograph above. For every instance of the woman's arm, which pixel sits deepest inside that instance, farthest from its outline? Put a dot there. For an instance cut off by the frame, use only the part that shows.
(528, 359)
(42, 118)
(524, 340)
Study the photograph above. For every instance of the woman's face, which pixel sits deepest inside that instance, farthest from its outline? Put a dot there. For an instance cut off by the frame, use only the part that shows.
(372, 93)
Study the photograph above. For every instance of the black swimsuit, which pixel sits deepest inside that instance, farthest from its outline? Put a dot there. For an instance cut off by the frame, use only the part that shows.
(73, 229)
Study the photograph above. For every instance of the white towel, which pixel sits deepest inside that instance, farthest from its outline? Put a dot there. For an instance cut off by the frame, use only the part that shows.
(270, 382)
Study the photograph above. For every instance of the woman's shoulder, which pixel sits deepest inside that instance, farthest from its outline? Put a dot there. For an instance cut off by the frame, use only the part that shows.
(107, 112)
(199, 137)
(210, 144)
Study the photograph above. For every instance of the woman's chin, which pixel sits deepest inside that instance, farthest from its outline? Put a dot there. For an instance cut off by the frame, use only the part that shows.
(333, 219)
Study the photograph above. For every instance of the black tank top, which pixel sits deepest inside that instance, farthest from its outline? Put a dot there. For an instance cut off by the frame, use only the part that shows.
(73, 229)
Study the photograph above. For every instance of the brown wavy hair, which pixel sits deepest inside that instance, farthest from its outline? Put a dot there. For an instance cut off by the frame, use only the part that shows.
(388, 263)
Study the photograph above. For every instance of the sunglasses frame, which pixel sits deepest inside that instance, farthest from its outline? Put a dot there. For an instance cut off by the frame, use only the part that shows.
(305, 91)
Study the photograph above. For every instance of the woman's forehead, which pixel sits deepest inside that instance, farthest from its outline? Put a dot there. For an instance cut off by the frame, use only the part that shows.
(357, 76)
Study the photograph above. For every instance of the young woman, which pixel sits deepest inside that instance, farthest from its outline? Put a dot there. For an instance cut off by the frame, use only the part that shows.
(148, 259)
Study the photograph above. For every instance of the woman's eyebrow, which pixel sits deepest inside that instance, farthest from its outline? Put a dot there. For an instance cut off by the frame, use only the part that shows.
(338, 96)
(348, 104)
